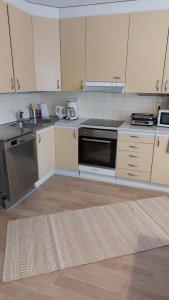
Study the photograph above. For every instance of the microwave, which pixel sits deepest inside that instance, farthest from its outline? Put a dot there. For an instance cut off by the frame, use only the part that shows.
(163, 118)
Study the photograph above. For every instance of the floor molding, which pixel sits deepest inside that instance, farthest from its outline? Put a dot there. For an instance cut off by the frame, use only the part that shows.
(103, 178)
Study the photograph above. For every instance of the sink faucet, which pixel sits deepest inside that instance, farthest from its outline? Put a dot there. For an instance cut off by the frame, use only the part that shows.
(21, 119)
(21, 115)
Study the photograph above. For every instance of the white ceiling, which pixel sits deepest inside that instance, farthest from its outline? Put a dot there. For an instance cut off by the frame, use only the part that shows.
(73, 3)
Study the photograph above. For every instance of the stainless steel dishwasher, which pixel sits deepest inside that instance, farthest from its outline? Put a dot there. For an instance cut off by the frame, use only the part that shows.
(18, 168)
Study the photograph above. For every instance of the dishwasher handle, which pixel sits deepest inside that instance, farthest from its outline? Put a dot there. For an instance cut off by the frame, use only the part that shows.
(20, 140)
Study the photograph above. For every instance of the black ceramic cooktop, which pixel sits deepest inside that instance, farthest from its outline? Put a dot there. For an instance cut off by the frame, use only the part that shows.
(101, 123)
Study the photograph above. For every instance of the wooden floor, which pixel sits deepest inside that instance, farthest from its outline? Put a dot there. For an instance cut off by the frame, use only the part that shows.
(143, 276)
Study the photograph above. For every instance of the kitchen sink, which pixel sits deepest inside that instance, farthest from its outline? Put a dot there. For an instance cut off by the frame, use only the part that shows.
(32, 123)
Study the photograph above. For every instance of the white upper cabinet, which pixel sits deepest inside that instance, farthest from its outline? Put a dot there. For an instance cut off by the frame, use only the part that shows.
(146, 52)
(47, 54)
(106, 47)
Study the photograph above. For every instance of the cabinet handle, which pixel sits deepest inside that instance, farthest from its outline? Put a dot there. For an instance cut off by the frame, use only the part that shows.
(117, 77)
(82, 84)
(58, 85)
(158, 142)
(134, 136)
(74, 133)
(12, 84)
(18, 84)
(133, 175)
(134, 166)
(39, 138)
(134, 147)
(166, 86)
(132, 156)
(157, 85)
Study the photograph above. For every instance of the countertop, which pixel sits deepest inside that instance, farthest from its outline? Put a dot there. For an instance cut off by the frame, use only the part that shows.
(10, 132)
(126, 126)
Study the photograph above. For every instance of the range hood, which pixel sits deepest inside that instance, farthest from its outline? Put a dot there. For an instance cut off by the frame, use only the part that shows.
(103, 86)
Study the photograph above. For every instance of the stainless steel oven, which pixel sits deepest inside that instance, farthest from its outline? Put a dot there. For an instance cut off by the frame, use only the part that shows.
(97, 147)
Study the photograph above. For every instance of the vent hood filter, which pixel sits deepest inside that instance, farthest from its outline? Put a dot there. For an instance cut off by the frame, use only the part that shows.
(103, 86)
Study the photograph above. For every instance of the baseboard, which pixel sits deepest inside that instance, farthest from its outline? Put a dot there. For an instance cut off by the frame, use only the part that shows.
(109, 177)
(67, 172)
(121, 181)
(43, 179)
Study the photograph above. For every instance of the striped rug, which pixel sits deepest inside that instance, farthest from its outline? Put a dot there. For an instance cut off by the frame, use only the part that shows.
(54, 242)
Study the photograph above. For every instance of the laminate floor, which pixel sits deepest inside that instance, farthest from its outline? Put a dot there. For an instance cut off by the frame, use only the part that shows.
(142, 276)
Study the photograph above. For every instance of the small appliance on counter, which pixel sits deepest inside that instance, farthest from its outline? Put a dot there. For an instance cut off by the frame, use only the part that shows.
(163, 118)
(143, 119)
(72, 109)
(60, 112)
(44, 111)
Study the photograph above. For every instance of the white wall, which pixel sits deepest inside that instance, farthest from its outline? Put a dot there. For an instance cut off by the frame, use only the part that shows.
(106, 105)
(37, 10)
(100, 9)
(114, 8)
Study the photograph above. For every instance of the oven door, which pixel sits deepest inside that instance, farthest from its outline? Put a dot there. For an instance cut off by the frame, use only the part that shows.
(97, 152)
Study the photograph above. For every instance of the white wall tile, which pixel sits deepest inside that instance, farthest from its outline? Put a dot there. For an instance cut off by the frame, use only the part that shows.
(91, 105)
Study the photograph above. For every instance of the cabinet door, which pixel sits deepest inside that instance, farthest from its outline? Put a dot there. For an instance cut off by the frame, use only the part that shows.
(66, 148)
(165, 86)
(6, 73)
(22, 49)
(47, 54)
(72, 53)
(160, 169)
(106, 47)
(45, 141)
(146, 52)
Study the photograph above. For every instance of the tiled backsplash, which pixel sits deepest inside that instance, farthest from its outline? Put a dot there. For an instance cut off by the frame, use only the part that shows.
(91, 105)
(11, 104)
(107, 105)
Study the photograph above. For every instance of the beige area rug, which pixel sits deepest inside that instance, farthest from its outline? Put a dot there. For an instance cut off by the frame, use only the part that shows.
(48, 243)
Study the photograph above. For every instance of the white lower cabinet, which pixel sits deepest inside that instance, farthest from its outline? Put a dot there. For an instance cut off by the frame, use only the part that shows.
(160, 167)
(66, 148)
(45, 141)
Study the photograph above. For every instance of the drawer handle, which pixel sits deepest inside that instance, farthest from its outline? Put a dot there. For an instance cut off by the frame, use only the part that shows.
(133, 175)
(130, 165)
(134, 147)
(132, 156)
(157, 85)
(135, 136)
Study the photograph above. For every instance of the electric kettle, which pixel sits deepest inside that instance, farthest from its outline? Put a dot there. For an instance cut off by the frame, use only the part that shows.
(60, 112)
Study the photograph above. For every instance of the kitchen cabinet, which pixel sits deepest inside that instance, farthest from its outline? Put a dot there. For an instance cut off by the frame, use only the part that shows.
(106, 47)
(72, 32)
(165, 85)
(146, 51)
(6, 74)
(45, 141)
(160, 167)
(21, 31)
(66, 148)
(134, 156)
(47, 54)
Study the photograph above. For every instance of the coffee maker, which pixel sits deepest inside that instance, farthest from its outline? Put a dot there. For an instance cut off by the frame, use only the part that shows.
(72, 109)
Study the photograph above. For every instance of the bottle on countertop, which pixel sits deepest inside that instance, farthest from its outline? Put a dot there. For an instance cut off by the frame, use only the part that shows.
(35, 111)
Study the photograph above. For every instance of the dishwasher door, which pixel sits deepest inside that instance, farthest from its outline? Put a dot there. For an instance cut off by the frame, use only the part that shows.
(22, 170)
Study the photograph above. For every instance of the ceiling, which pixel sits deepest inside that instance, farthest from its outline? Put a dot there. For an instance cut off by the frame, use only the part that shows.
(73, 3)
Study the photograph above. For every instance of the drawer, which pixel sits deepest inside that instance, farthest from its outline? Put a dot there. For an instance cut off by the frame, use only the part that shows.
(135, 147)
(136, 138)
(133, 175)
(134, 158)
(135, 166)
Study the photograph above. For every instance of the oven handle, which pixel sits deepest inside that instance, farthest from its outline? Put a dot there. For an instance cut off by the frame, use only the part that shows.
(96, 141)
